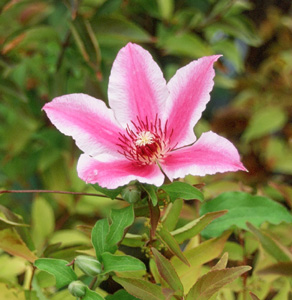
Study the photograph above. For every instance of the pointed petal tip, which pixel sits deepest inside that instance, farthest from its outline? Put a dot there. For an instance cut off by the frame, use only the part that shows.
(211, 154)
(211, 58)
(242, 168)
(131, 46)
(136, 85)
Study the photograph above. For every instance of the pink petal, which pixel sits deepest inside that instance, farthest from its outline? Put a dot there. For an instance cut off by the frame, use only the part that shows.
(115, 173)
(136, 86)
(209, 155)
(189, 92)
(87, 120)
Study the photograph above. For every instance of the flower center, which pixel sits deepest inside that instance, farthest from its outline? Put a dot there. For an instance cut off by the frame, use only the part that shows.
(144, 138)
(145, 142)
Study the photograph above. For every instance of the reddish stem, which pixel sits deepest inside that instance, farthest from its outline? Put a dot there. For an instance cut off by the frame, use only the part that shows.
(54, 192)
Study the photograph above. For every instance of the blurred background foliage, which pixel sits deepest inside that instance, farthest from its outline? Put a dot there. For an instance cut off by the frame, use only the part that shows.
(54, 47)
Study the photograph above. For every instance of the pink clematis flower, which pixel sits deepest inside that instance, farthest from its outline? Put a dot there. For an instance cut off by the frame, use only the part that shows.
(149, 126)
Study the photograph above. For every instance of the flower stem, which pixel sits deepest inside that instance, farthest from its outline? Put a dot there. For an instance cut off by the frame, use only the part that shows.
(55, 192)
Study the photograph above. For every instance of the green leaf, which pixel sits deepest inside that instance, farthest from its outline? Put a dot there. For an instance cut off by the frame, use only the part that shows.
(168, 273)
(110, 193)
(236, 251)
(166, 8)
(151, 190)
(133, 240)
(10, 292)
(57, 267)
(8, 219)
(281, 268)
(184, 43)
(278, 155)
(272, 246)
(61, 295)
(92, 295)
(87, 42)
(213, 281)
(36, 286)
(198, 256)
(11, 242)
(120, 263)
(4, 224)
(231, 52)
(33, 38)
(31, 295)
(170, 218)
(154, 212)
(242, 207)
(141, 289)
(116, 27)
(121, 219)
(265, 121)
(43, 221)
(237, 26)
(105, 237)
(99, 238)
(121, 294)
(172, 244)
(194, 227)
(222, 263)
(182, 190)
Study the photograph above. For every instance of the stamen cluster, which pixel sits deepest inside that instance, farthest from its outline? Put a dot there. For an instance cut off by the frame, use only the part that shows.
(145, 142)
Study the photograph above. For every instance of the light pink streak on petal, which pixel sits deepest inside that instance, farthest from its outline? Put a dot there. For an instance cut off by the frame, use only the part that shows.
(113, 174)
(189, 92)
(136, 86)
(209, 155)
(88, 121)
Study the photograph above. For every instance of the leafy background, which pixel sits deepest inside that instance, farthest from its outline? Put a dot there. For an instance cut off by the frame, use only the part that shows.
(51, 48)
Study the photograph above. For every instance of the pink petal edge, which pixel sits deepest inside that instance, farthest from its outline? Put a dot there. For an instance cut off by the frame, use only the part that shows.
(209, 155)
(113, 174)
(189, 94)
(136, 86)
(88, 121)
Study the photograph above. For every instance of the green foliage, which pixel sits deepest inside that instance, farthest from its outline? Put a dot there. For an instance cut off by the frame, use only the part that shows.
(210, 283)
(194, 227)
(91, 295)
(122, 263)
(110, 193)
(105, 236)
(121, 294)
(167, 272)
(57, 267)
(169, 241)
(271, 245)
(141, 288)
(51, 48)
(182, 190)
(151, 190)
(243, 207)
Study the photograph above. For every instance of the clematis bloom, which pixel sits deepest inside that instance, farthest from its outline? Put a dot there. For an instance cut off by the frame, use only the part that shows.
(149, 126)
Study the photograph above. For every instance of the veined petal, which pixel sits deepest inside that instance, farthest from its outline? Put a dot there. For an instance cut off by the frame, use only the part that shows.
(115, 173)
(136, 86)
(189, 92)
(88, 121)
(209, 155)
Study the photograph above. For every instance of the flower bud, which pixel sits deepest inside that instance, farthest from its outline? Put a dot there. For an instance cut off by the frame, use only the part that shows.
(77, 288)
(131, 193)
(88, 265)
